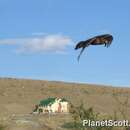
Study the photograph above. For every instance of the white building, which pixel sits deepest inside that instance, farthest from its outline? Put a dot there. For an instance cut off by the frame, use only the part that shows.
(53, 105)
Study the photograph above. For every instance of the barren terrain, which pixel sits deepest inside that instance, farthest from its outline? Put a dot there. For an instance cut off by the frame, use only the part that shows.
(18, 97)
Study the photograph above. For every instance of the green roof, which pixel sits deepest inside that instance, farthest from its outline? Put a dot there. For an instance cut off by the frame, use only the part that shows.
(47, 101)
(50, 101)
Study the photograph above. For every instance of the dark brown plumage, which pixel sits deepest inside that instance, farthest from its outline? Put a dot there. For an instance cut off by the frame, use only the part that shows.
(105, 39)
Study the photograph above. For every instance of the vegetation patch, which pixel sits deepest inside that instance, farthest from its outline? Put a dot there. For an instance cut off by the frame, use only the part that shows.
(2, 127)
(80, 113)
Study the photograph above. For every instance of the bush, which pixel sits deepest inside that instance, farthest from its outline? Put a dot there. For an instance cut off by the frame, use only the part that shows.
(80, 113)
(2, 127)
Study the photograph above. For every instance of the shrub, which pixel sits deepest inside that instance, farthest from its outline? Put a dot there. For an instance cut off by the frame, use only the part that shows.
(80, 113)
(2, 127)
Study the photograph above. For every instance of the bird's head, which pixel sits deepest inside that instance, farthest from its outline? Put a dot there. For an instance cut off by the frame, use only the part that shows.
(79, 45)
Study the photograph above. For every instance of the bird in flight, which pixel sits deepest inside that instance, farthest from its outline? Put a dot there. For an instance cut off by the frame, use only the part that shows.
(105, 39)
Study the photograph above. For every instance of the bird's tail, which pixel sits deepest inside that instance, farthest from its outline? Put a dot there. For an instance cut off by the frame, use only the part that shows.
(80, 53)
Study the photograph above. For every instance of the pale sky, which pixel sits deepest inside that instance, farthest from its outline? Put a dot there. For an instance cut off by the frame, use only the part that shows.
(37, 40)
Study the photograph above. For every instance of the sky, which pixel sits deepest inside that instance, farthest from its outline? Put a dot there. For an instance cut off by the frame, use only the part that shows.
(38, 37)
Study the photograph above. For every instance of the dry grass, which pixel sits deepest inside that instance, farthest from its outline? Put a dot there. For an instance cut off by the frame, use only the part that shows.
(29, 92)
(19, 96)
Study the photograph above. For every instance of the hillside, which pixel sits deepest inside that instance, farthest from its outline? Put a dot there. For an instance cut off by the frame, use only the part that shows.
(18, 97)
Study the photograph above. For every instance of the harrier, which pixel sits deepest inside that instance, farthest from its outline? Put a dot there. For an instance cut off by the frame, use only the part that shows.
(105, 39)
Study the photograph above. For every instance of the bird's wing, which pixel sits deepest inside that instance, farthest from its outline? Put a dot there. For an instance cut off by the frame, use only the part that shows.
(106, 37)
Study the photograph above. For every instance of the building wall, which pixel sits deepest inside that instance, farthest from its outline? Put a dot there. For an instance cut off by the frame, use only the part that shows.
(57, 106)
(65, 107)
(60, 107)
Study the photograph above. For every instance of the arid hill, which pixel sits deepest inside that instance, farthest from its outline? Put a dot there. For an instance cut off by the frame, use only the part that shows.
(18, 96)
